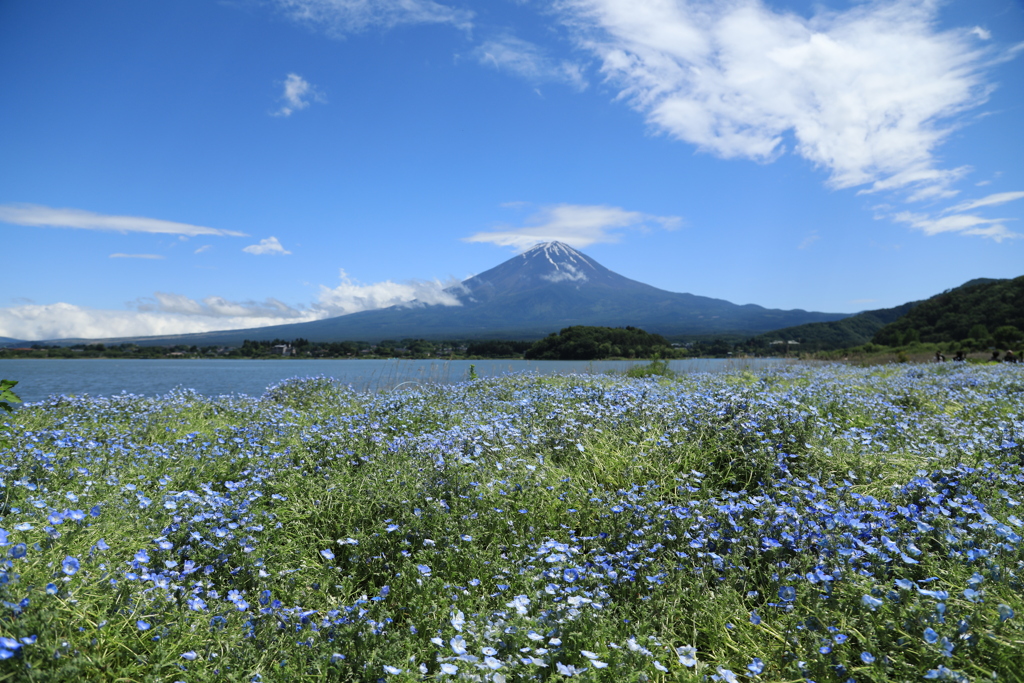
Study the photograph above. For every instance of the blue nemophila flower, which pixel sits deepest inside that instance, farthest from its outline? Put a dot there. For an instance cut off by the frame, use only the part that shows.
(142, 557)
(391, 527)
(755, 618)
(867, 657)
(18, 551)
(142, 625)
(872, 602)
(687, 655)
(756, 666)
(905, 584)
(458, 644)
(424, 569)
(190, 655)
(22, 526)
(388, 669)
(972, 595)
(930, 636)
(327, 554)
(449, 669)
(51, 589)
(102, 545)
(568, 669)
(1005, 612)
(9, 643)
(70, 565)
(337, 657)
(725, 675)
(787, 593)
(164, 545)
(458, 620)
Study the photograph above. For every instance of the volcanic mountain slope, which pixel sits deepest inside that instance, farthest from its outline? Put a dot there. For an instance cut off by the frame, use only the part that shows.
(540, 291)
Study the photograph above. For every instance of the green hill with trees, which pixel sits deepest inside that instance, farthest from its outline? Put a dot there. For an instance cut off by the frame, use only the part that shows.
(582, 342)
(978, 314)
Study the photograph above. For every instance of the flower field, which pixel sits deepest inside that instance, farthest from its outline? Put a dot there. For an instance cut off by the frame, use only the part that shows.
(823, 524)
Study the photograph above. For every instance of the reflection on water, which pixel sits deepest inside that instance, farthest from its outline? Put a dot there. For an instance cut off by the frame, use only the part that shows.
(39, 378)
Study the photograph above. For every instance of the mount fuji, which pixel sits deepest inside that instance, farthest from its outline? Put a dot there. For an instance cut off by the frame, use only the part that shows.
(547, 288)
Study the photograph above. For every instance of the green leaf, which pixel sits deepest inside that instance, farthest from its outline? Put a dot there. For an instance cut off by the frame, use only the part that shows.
(7, 395)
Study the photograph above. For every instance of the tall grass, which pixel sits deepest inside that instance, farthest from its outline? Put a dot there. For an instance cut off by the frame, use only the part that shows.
(823, 524)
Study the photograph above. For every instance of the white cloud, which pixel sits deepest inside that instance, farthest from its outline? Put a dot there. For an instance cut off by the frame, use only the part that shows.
(352, 297)
(341, 17)
(576, 225)
(298, 94)
(528, 61)
(44, 216)
(168, 313)
(964, 224)
(267, 246)
(991, 200)
(63, 320)
(867, 94)
(218, 307)
(203, 248)
(809, 240)
(982, 33)
(142, 256)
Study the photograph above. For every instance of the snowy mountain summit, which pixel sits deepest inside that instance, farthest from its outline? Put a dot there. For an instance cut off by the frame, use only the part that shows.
(537, 269)
(568, 265)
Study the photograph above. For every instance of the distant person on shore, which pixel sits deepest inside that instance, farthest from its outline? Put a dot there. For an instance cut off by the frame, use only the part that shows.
(1010, 357)
(959, 357)
(939, 358)
(995, 357)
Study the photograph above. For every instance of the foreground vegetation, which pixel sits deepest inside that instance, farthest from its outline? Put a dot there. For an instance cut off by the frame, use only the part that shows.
(825, 524)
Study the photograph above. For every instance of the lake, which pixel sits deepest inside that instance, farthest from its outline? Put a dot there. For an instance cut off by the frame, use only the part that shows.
(40, 378)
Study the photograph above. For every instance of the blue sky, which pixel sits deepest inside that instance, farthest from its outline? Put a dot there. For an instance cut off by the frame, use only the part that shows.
(186, 166)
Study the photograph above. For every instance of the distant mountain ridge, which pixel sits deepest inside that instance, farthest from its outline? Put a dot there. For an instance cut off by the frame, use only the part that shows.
(855, 330)
(542, 290)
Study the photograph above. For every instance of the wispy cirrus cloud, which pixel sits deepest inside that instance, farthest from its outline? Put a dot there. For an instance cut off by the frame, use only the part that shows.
(271, 245)
(964, 224)
(962, 218)
(44, 216)
(868, 94)
(991, 200)
(528, 61)
(574, 224)
(298, 93)
(339, 18)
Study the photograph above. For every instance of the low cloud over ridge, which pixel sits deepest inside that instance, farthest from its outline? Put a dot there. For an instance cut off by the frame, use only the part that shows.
(168, 313)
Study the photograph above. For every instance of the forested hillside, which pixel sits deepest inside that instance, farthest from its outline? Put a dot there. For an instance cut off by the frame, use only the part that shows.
(979, 313)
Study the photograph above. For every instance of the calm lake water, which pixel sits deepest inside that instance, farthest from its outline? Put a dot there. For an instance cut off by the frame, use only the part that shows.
(40, 378)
